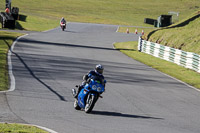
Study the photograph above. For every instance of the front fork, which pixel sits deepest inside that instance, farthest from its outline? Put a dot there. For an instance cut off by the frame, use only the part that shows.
(95, 97)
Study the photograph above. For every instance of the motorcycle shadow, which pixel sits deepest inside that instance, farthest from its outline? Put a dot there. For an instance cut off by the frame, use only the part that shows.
(117, 114)
(69, 31)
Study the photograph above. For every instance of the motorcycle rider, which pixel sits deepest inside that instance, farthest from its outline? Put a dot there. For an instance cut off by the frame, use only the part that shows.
(98, 72)
(63, 20)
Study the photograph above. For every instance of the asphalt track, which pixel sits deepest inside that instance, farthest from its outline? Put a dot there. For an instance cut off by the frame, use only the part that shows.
(138, 99)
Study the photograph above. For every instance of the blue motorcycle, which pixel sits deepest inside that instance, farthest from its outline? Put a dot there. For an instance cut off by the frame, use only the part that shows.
(89, 95)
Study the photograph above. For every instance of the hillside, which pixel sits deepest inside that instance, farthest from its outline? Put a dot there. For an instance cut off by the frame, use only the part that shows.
(45, 14)
(185, 35)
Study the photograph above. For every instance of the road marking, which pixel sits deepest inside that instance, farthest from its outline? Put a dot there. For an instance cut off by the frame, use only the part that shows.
(179, 81)
(117, 29)
(11, 76)
(12, 81)
(44, 128)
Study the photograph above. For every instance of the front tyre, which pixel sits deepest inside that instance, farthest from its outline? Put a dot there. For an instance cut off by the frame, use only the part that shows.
(76, 106)
(90, 104)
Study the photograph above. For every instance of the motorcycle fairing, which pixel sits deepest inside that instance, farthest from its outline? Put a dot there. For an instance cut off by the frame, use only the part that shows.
(82, 96)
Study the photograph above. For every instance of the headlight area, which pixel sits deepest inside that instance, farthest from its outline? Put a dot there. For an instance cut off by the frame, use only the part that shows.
(94, 87)
(99, 89)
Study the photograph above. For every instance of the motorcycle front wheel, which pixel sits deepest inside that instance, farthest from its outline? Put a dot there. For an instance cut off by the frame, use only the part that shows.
(90, 104)
(76, 106)
(63, 28)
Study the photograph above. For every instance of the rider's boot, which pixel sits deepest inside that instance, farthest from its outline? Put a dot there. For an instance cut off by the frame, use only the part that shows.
(74, 92)
(78, 90)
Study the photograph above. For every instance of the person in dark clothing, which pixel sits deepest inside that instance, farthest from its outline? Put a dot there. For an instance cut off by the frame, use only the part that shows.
(63, 20)
(98, 72)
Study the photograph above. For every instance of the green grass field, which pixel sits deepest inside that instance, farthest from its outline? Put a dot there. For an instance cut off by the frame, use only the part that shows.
(41, 13)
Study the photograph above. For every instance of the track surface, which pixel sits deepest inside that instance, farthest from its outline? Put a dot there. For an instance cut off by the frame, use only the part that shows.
(138, 99)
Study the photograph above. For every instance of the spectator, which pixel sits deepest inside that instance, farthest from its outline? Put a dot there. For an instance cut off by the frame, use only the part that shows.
(7, 10)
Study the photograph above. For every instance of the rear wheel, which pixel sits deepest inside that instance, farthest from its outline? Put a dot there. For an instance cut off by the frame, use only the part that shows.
(76, 106)
(90, 104)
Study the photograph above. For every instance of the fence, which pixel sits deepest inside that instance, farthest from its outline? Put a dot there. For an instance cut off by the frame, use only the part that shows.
(187, 59)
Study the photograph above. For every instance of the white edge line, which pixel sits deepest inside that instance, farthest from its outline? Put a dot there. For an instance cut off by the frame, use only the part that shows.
(113, 45)
(117, 29)
(46, 129)
(12, 81)
(40, 127)
(179, 80)
(11, 76)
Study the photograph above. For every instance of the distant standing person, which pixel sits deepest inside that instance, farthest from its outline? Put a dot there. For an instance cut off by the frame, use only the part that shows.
(7, 10)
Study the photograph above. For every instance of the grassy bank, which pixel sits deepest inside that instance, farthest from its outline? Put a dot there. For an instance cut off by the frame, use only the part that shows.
(184, 35)
(186, 75)
(40, 13)
(17, 128)
(6, 40)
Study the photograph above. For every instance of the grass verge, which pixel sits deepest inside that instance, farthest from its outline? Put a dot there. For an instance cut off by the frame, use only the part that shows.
(18, 128)
(186, 75)
(6, 40)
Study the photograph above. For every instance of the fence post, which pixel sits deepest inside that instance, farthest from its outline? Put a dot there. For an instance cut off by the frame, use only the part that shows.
(140, 44)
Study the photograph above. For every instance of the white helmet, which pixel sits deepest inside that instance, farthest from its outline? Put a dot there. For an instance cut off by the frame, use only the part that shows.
(99, 69)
